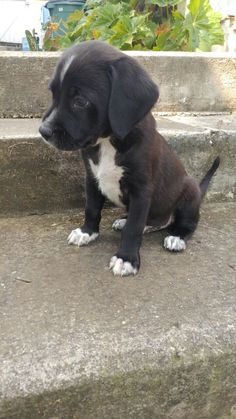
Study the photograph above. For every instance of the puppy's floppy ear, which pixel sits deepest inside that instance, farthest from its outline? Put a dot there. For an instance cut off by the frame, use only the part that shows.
(133, 94)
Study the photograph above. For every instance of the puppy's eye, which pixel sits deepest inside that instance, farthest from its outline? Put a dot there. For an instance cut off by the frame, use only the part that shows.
(79, 102)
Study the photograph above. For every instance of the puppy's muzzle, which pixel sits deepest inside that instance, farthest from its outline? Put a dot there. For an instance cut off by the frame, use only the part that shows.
(46, 130)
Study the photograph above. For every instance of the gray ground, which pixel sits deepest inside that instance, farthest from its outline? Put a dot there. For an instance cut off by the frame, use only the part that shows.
(77, 342)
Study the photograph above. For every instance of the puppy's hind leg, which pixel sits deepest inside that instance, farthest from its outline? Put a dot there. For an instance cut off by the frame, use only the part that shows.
(119, 224)
(186, 217)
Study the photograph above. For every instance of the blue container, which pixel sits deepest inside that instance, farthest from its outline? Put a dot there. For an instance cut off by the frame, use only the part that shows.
(25, 45)
(61, 10)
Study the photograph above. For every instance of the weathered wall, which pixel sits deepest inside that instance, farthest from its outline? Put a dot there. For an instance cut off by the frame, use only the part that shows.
(188, 82)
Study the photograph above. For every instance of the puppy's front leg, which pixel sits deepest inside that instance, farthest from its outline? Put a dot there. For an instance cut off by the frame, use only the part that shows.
(127, 260)
(94, 203)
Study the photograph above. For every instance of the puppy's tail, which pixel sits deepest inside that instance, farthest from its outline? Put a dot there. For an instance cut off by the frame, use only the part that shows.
(207, 178)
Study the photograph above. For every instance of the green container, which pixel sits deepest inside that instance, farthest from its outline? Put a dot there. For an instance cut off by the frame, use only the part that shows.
(61, 10)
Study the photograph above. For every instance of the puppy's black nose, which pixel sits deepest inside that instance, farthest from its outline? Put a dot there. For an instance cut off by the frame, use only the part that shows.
(46, 131)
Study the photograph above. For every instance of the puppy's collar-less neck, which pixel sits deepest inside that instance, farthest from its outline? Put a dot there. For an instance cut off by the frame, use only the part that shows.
(123, 145)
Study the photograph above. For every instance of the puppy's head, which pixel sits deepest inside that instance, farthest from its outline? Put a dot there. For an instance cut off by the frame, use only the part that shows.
(96, 91)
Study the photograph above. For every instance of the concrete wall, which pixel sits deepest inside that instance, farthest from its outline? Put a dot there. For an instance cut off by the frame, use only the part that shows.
(189, 82)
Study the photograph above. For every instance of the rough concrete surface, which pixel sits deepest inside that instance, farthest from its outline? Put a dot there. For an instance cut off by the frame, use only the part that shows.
(77, 342)
(187, 81)
(35, 177)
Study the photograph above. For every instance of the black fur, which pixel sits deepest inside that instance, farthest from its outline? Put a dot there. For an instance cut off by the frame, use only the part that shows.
(105, 93)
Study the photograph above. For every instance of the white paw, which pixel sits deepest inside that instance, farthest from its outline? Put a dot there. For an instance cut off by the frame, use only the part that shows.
(119, 224)
(79, 238)
(121, 268)
(174, 243)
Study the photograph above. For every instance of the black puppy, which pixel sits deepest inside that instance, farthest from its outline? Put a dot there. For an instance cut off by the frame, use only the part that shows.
(101, 104)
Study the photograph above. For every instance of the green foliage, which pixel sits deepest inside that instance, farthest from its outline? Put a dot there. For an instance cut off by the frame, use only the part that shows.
(33, 40)
(198, 30)
(202, 25)
(165, 3)
(50, 41)
(142, 25)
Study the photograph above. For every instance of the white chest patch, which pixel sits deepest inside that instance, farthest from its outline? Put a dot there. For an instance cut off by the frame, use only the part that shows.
(107, 173)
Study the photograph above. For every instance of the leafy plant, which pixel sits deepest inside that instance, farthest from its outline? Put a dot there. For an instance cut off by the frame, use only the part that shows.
(51, 42)
(199, 29)
(142, 25)
(33, 40)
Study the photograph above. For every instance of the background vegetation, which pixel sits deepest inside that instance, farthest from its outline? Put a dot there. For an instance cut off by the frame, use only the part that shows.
(141, 25)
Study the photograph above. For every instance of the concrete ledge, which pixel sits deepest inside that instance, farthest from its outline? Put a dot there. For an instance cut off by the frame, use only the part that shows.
(78, 343)
(35, 177)
(188, 81)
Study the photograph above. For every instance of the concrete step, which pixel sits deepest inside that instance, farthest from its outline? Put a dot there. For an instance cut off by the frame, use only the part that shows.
(78, 343)
(35, 177)
(189, 82)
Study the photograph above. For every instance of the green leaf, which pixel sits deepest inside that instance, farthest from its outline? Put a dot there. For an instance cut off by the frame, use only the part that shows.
(108, 14)
(138, 47)
(65, 42)
(31, 41)
(203, 25)
(177, 15)
(161, 42)
(121, 41)
(194, 7)
(91, 4)
(165, 3)
(140, 22)
(123, 26)
(213, 37)
(75, 16)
